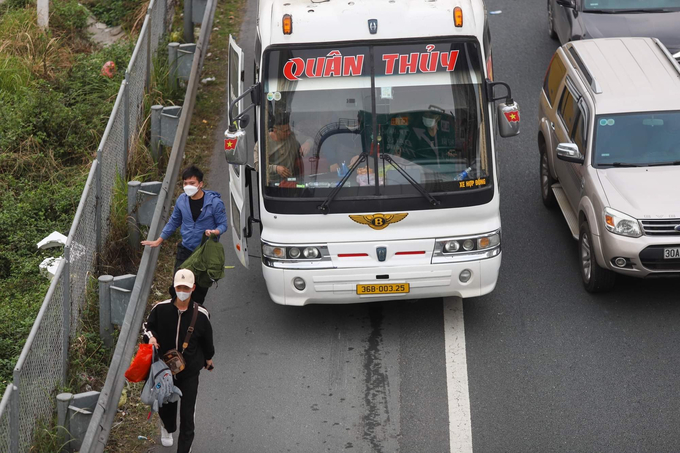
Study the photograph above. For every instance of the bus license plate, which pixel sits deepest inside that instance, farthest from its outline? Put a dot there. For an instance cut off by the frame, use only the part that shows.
(671, 254)
(384, 288)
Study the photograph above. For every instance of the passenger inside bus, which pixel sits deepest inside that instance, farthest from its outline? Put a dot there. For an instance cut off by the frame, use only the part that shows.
(431, 141)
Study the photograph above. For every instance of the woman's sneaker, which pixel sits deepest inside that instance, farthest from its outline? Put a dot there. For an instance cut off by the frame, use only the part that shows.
(166, 437)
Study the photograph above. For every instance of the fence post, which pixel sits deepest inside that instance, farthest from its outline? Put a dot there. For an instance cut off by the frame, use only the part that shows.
(14, 416)
(105, 326)
(173, 47)
(126, 123)
(43, 13)
(63, 401)
(133, 224)
(98, 210)
(188, 22)
(66, 308)
(148, 53)
(156, 111)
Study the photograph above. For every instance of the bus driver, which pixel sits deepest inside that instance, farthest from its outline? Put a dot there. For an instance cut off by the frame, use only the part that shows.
(283, 150)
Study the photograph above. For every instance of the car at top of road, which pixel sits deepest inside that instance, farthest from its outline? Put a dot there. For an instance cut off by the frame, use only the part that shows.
(609, 143)
(572, 20)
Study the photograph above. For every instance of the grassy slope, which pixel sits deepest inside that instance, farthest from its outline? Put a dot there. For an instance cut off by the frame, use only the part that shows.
(53, 110)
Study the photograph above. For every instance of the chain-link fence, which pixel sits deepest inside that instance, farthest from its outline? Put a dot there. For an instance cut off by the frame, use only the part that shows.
(43, 363)
(5, 411)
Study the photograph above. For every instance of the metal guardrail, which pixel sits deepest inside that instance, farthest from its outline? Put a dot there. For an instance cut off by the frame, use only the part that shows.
(105, 411)
(43, 363)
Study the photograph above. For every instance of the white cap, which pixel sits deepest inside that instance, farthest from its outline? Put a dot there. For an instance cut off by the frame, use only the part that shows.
(184, 277)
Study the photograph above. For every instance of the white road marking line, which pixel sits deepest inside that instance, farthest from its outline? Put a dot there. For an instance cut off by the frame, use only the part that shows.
(460, 429)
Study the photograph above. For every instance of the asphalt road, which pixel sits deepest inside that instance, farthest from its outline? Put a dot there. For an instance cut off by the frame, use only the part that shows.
(550, 367)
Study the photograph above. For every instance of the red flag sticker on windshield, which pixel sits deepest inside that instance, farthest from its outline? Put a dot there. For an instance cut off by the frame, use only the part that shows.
(512, 116)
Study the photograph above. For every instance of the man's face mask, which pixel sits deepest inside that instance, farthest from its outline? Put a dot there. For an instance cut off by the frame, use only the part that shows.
(191, 189)
(429, 122)
(183, 295)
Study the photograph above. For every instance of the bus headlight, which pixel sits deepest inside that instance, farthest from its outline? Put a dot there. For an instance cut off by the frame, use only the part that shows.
(311, 252)
(273, 251)
(296, 256)
(488, 242)
(470, 248)
(451, 246)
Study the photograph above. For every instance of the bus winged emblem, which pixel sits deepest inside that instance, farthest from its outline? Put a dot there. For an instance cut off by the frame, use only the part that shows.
(378, 221)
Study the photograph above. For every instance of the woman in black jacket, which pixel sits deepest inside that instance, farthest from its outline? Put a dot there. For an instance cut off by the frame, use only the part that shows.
(166, 328)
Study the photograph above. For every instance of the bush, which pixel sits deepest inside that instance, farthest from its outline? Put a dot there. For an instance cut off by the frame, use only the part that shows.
(111, 12)
(63, 118)
(14, 74)
(68, 15)
(28, 213)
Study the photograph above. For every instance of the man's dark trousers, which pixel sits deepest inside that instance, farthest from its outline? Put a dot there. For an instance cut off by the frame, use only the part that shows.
(182, 255)
(187, 405)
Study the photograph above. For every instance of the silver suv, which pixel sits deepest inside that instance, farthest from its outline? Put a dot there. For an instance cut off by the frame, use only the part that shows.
(609, 143)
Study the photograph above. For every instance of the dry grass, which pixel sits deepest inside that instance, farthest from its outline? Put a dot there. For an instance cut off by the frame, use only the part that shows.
(44, 53)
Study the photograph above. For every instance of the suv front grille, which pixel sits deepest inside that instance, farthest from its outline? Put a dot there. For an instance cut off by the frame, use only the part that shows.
(665, 227)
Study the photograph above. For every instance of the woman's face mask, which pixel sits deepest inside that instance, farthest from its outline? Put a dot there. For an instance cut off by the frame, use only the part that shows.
(429, 122)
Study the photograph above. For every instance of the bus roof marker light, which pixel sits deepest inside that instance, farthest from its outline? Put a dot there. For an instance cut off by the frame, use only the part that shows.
(458, 16)
(287, 24)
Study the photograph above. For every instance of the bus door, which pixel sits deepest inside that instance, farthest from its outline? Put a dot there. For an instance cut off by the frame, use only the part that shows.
(237, 173)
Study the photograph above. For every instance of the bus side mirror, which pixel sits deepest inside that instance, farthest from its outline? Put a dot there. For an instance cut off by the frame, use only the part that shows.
(508, 119)
(235, 144)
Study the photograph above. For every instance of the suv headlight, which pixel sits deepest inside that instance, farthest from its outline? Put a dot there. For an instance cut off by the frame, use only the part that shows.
(620, 223)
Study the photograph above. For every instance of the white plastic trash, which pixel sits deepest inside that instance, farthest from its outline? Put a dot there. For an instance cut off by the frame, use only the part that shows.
(55, 239)
(48, 267)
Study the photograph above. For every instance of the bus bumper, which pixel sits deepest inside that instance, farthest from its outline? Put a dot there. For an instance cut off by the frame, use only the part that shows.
(338, 286)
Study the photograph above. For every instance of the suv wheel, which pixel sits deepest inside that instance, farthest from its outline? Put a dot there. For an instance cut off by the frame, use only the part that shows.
(551, 22)
(595, 278)
(547, 181)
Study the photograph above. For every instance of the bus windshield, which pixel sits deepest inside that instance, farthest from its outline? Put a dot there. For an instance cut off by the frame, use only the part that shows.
(420, 103)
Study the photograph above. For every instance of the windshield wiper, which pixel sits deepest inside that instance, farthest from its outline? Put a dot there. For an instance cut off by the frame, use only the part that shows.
(660, 164)
(324, 206)
(433, 201)
(625, 164)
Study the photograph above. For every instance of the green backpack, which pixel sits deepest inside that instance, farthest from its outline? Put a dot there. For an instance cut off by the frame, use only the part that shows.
(207, 262)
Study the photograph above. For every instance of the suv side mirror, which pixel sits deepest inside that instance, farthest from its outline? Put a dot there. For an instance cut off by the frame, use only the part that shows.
(566, 3)
(569, 152)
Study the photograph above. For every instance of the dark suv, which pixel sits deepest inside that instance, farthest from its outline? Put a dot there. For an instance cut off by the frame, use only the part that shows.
(571, 20)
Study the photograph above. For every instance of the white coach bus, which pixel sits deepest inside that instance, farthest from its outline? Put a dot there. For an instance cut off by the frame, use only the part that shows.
(375, 125)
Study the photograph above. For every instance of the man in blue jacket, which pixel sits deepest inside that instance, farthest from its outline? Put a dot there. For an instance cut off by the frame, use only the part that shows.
(198, 213)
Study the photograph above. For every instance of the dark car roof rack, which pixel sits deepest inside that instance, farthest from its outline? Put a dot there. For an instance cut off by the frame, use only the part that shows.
(597, 89)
